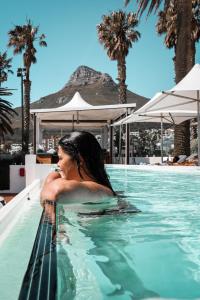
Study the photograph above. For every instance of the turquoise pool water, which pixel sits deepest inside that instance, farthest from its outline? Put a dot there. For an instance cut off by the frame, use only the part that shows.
(152, 254)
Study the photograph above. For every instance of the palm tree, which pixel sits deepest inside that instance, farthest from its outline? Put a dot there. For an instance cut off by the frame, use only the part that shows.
(183, 60)
(167, 24)
(150, 4)
(5, 67)
(117, 34)
(6, 113)
(22, 39)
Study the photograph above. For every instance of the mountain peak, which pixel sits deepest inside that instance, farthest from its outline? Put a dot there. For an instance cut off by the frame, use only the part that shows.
(85, 76)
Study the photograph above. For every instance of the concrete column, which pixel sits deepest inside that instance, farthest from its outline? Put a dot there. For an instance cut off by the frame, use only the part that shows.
(127, 144)
(38, 133)
(105, 137)
(30, 168)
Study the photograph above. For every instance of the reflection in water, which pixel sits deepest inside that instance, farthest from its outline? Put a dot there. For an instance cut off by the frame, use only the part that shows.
(96, 250)
(78, 255)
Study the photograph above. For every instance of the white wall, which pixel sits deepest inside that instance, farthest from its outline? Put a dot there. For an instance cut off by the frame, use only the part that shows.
(17, 182)
(36, 171)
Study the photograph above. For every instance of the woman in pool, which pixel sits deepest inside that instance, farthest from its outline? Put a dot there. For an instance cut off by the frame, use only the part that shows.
(81, 170)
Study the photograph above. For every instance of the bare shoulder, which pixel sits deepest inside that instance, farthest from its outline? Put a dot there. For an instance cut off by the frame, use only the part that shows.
(86, 187)
(96, 187)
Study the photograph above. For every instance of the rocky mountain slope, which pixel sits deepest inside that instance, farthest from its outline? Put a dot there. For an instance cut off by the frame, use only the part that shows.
(95, 87)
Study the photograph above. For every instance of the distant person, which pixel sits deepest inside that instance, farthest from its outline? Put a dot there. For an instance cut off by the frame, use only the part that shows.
(2, 202)
(175, 159)
(81, 172)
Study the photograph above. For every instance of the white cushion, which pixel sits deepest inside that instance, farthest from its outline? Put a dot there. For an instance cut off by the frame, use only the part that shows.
(182, 158)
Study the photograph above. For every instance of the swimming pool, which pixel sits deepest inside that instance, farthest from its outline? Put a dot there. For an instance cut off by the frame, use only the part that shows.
(152, 254)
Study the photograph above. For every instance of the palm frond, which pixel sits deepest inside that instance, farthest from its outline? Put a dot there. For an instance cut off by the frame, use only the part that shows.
(167, 23)
(149, 5)
(117, 33)
(22, 40)
(5, 92)
(6, 113)
(5, 65)
(43, 43)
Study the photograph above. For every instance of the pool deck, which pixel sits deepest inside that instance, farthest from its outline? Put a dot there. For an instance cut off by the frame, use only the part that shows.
(8, 196)
(164, 168)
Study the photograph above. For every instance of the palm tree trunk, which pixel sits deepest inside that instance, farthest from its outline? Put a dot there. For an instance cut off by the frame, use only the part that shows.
(182, 139)
(27, 89)
(184, 49)
(121, 66)
(183, 63)
(193, 52)
(193, 122)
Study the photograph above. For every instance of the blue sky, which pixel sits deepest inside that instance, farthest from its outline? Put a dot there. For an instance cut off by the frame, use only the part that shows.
(70, 29)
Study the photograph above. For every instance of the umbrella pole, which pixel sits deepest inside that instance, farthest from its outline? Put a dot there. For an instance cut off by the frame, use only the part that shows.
(111, 143)
(127, 142)
(198, 124)
(34, 133)
(73, 122)
(120, 143)
(161, 127)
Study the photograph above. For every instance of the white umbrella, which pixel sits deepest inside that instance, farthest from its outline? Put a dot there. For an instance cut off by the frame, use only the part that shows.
(171, 117)
(184, 96)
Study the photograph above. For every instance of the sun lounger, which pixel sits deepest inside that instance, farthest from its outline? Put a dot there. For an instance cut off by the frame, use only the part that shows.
(183, 160)
(192, 157)
(187, 161)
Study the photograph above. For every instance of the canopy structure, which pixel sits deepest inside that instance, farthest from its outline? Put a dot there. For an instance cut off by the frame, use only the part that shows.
(180, 103)
(184, 96)
(77, 113)
(170, 117)
(150, 113)
(173, 117)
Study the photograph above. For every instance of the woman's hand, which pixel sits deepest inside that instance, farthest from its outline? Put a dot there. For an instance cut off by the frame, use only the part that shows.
(62, 175)
(52, 176)
(49, 210)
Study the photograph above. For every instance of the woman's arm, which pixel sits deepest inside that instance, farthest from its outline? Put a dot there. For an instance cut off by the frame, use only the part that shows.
(47, 185)
(54, 186)
(59, 187)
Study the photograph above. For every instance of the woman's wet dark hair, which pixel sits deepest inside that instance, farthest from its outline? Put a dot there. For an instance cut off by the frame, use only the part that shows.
(84, 144)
